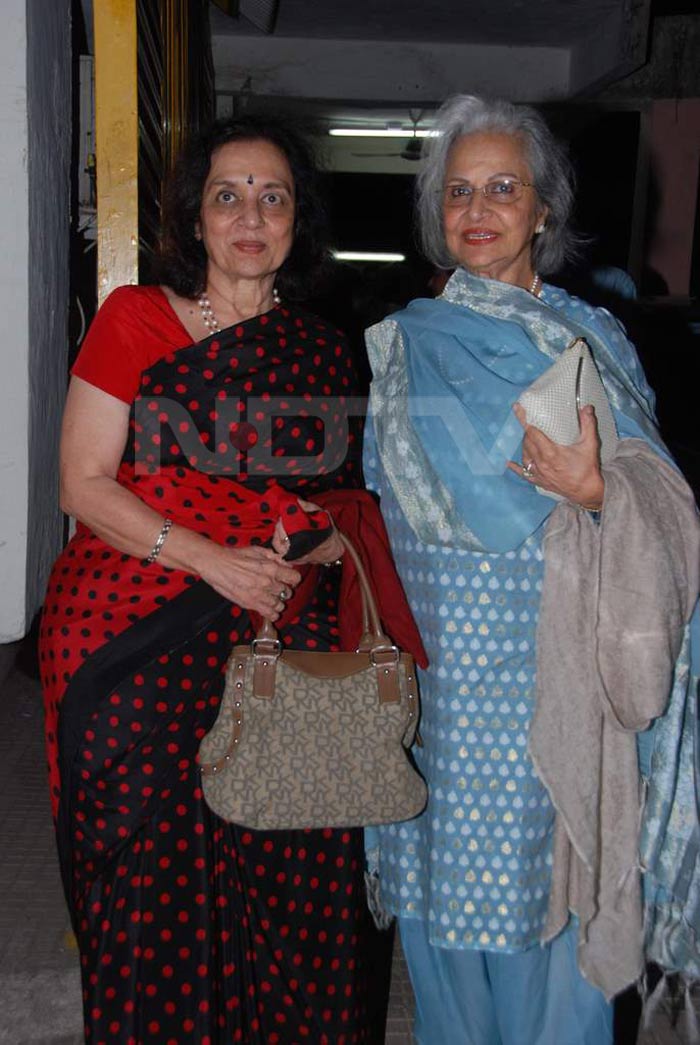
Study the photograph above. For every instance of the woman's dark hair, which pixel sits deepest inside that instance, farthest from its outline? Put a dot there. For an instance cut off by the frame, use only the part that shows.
(182, 259)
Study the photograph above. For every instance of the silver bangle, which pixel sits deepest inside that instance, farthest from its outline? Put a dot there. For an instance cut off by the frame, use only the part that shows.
(160, 541)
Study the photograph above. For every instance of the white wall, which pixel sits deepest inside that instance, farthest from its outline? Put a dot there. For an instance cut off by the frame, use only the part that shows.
(35, 115)
(14, 309)
(49, 105)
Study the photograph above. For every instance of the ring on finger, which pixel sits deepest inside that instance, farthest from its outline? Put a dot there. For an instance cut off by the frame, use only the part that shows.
(528, 470)
(284, 594)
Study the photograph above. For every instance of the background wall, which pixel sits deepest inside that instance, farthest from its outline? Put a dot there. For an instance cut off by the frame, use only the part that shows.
(14, 308)
(674, 143)
(49, 140)
(35, 121)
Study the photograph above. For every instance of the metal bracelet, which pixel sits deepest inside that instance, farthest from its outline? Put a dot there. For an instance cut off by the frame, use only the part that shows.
(160, 541)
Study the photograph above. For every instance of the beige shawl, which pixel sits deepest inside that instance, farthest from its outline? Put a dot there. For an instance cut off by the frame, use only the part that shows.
(616, 597)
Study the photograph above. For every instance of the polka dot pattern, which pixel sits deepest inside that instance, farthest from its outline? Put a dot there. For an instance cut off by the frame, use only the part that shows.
(191, 929)
(269, 403)
(96, 592)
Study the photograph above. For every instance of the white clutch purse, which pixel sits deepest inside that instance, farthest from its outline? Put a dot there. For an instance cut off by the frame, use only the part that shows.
(552, 402)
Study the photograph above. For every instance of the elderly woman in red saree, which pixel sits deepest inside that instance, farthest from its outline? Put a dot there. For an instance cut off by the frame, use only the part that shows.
(199, 410)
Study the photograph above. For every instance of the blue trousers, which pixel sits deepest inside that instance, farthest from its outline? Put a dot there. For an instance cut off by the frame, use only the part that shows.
(536, 997)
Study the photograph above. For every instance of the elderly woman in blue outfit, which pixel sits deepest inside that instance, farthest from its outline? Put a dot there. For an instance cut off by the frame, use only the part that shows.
(557, 730)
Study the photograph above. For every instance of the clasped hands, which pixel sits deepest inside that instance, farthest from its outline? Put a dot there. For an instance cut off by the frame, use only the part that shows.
(572, 471)
(259, 578)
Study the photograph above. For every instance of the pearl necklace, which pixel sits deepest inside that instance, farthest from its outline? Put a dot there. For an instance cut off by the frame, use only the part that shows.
(535, 287)
(209, 316)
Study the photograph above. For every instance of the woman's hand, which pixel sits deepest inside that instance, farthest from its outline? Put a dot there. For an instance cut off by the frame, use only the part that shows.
(95, 429)
(573, 471)
(331, 549)
(255, 578)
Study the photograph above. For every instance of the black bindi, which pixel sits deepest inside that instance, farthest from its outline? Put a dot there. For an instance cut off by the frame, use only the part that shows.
(249, 179)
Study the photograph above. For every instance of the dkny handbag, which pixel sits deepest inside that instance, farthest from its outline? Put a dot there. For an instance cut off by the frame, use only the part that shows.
(552, 402)
(306, 739)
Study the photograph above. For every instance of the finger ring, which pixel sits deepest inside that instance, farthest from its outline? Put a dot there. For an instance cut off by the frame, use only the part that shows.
(284, 595)
(528, 469)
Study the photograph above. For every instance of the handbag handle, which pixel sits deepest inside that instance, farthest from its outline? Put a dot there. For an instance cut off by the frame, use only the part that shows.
(383, 655)
(372, 634)
(371, 624)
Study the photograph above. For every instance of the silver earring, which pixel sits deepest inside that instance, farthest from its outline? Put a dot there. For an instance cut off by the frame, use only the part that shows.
(540, 229)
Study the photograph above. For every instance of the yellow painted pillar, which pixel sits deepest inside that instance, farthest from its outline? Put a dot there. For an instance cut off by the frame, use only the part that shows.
(116, 144)
(176, 63)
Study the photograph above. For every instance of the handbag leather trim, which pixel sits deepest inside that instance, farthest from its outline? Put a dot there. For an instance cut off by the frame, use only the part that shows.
(330, 665)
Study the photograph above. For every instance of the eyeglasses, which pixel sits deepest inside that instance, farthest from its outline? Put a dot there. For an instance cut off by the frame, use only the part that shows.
(498, 190)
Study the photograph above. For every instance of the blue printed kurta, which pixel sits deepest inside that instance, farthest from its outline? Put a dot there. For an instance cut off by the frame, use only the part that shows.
(476, 863)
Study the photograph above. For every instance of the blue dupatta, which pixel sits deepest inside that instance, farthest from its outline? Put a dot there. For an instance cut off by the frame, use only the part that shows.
(446, 375)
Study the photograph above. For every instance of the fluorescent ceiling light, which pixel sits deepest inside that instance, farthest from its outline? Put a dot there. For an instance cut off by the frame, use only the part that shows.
(377, 132)
(367, 255)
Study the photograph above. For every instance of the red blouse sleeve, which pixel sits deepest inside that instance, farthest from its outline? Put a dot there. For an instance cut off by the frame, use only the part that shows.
(132, 330)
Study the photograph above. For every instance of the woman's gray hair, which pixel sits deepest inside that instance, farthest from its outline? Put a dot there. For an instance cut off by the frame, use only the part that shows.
(552, 175)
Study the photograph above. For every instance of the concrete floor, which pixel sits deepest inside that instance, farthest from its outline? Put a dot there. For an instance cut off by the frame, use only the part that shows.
(39, 981)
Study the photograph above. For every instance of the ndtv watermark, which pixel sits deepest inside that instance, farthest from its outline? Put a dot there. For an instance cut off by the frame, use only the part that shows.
(244, 436)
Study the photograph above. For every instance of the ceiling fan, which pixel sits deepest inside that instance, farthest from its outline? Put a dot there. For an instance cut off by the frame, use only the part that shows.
(412, 148)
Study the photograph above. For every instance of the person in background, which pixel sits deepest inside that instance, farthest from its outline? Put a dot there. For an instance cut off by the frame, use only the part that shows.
(189, 513)
(557, 629)
(614, 281)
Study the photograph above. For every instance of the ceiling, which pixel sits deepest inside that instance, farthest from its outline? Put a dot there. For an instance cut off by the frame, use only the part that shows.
(549, 23)
(369, 62)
